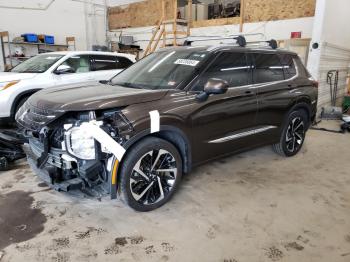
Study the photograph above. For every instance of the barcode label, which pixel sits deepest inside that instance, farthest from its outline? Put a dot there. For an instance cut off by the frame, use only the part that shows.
(187, 62)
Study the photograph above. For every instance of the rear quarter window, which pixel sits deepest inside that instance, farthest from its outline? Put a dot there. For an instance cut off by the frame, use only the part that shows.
(288, 64)
(123, 62)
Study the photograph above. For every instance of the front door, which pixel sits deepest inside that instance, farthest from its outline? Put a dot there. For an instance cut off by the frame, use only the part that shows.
(223, 123)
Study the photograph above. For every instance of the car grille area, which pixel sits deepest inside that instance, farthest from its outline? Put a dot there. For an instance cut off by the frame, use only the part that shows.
(54, 156)
(33, 118)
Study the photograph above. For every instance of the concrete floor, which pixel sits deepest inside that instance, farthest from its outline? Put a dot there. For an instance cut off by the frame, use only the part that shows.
(255, 206)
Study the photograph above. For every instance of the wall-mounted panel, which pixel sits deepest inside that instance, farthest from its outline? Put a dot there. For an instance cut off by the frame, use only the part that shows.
(148, 13)
(271, 10)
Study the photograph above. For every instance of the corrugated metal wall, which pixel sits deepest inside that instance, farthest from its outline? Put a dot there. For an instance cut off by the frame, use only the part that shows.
(332, 58)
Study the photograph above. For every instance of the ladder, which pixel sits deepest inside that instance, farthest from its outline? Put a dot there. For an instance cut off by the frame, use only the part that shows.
(163, 33)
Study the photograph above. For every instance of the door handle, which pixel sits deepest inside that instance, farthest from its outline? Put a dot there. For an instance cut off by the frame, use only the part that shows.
(249, 93)
(292, 85)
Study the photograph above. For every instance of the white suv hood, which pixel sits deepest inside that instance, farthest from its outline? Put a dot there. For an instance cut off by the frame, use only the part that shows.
(12, 76)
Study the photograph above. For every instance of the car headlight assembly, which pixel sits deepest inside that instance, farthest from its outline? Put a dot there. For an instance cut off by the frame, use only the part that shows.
(80, 144)
(6, 85)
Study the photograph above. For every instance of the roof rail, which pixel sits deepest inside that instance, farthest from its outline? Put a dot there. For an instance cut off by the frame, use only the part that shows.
(240, 40)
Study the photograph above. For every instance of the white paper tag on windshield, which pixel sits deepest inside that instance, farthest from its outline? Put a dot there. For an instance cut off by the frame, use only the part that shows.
(187, 62)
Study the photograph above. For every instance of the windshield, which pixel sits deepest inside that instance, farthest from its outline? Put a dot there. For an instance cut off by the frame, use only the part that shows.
(37, 64)
(161, 70)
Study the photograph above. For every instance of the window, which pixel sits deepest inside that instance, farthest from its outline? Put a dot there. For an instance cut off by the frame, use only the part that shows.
(37, 64)
(268, 68)
(79, 64)
(231, 67)
(123, 62)
(162, 70)
(288, 65)
(102, 62)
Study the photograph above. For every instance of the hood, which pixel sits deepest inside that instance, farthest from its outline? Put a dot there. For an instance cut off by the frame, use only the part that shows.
(91, 96)
(12, 76)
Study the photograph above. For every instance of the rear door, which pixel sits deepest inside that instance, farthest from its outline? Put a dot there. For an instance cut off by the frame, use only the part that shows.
(273, 77)
(222, 123)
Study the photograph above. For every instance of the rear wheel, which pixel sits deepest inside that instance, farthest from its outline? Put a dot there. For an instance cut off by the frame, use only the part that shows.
(150, 174)
(293, 134)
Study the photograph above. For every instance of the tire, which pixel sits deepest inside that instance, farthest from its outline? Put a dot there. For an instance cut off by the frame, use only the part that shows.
(293, 134)
(18, 106)
(4, 164)
(148, 188)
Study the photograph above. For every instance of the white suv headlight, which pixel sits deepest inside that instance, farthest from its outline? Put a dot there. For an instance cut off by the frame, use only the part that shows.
(80, 143)
(6, 85)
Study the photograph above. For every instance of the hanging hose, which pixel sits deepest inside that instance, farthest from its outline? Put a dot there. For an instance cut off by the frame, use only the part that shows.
(332, 80)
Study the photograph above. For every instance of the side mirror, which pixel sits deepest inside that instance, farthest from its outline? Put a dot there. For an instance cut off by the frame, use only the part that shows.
(214, 86)
(64, 69)
(104, 82)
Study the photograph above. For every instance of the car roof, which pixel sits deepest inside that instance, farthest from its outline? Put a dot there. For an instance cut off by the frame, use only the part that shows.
(72, 53)
(226, 47)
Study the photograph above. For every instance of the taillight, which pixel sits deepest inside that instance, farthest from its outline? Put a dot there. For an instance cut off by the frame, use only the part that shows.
(314, 83)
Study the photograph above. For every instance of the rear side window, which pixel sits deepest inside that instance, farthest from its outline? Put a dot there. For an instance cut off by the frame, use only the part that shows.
(268, 68)
(231, 67)
(102, 62)
(288, 65)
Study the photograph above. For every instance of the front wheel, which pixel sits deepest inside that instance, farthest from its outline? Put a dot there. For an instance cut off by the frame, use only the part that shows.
(293, 134)
(150, 174)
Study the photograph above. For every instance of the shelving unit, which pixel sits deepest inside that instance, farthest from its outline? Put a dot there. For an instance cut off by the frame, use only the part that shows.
(7, 47)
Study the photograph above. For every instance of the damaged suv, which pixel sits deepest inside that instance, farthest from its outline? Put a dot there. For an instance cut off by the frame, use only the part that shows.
(137, 134)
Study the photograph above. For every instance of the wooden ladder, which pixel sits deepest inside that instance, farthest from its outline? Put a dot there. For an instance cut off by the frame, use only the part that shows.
(161, 32)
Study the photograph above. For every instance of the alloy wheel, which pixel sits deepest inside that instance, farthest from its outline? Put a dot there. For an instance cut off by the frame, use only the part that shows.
(295, 134)
(153, 177)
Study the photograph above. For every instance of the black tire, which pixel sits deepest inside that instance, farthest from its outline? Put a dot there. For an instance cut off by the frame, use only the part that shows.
(18, 106)
(293, 134)
(4, 164)
(152, 187)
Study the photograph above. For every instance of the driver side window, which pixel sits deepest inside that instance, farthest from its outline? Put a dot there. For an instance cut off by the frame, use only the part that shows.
(229, 66)
(79, 64)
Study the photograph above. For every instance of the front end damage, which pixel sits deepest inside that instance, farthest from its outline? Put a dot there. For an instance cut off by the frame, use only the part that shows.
(76, 150)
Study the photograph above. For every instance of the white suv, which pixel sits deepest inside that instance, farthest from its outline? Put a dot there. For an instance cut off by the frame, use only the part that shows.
(53, 69)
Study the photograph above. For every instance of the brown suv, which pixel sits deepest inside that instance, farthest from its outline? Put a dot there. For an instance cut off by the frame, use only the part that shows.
(136, 135)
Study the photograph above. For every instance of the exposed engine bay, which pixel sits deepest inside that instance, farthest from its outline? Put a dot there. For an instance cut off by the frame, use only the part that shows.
(75, 150)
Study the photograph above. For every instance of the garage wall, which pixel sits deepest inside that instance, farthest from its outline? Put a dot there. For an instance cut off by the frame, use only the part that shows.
(86, 22)
(148, 13)
(278, 30)
(332, 34)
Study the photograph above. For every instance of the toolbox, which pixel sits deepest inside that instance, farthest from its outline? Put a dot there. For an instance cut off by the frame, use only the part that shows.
(31, 38)
(47, 39)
